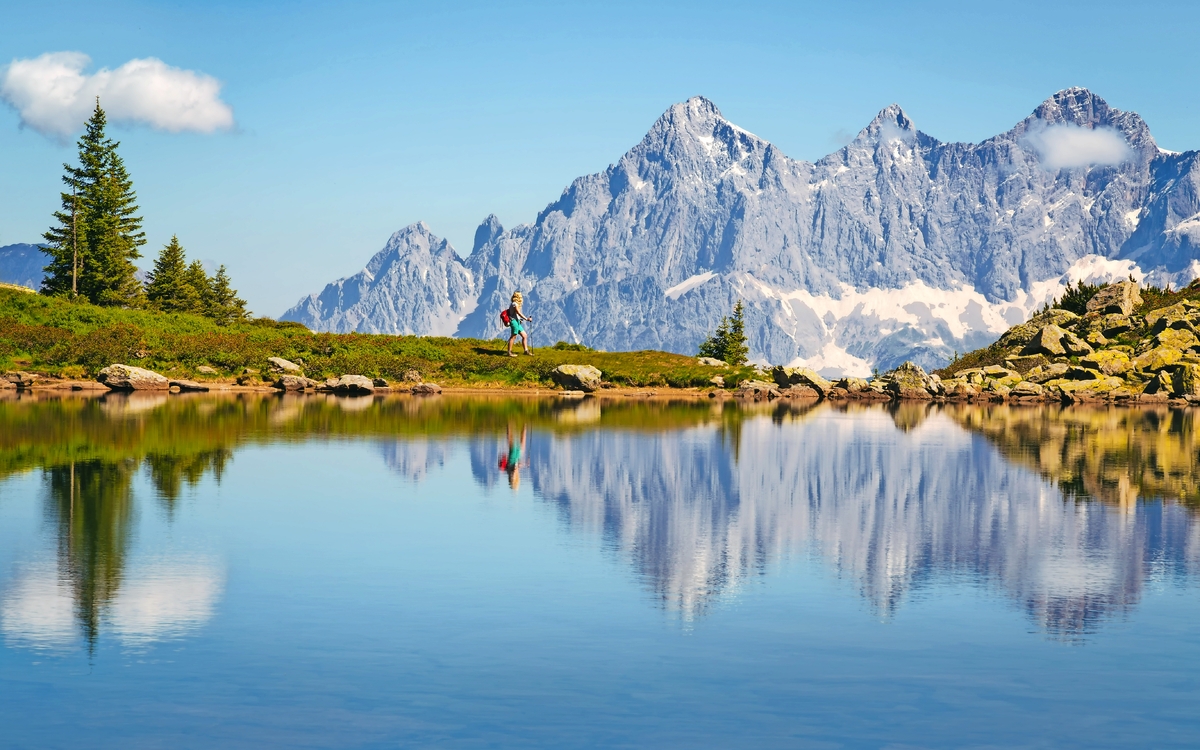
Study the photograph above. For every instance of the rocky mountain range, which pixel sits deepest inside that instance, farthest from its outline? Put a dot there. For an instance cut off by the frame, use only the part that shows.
(897, 246)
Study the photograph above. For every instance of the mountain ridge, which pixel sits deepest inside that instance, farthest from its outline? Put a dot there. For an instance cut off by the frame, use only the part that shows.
(896, 246)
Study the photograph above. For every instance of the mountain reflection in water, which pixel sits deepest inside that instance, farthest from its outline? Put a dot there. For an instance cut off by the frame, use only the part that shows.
(1068, 513)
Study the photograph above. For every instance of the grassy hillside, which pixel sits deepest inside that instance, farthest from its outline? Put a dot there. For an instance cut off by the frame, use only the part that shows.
(75, 340)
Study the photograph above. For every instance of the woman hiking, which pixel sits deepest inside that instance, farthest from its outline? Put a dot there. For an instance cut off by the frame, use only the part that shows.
(515, 317)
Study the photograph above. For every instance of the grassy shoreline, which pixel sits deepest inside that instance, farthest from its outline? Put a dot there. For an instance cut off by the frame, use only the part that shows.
(74, 340)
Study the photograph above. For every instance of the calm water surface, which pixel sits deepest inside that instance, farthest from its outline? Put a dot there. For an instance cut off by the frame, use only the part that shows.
(458, 572)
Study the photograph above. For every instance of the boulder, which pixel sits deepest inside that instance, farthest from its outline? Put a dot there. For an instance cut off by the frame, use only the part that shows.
(279, 364)
(1107, 361)
(1075, 346)
(789, 376)
(576, 377)
(20, 379)
(960, 390)
(996, 371)
(1176, 316)
(1158, 358)
(412, 376)
(206, 370)
(1120, 298)
(188, 385)
(354, 385)
(379, 383)
(1047, 373)
(128, 378)
(1176, 338)
(1047, 341)
(1023, 364)
(800, 392)
(757, 389)
(852, 385)
(1022, 334)
(711, 362)
(717, 380)
(1186, 380)
(1026, 389)
(1113, 325)
(1088, 390)
(909, 381)
(294, 383)
(248, 376)
(426, 389)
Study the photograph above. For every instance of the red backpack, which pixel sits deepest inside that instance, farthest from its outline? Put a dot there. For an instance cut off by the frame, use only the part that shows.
(505, 318)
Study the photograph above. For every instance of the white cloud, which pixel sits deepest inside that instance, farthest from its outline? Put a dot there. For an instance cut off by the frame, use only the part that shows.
(55, 97)
(1067, 146)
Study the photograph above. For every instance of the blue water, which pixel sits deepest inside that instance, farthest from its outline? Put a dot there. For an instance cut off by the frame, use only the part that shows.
(832, 579)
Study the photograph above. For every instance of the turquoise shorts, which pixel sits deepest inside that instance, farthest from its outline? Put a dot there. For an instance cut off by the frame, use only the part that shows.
(515, 326)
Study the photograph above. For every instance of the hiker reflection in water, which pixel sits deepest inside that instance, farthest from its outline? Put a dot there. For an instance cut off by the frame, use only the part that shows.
(512, 462)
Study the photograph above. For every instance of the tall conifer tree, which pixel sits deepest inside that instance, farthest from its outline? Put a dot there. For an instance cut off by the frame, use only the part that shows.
(224, 306)
(96, 240)
(197, 282)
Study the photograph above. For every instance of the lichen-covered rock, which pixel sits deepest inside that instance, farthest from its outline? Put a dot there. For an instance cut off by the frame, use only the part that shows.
(1185, 381)
(426, 389)
(1075, 346)
(576, 377)
(20, 379)
(129, 378)
(294, 383)
(1047, 373)
(1157, 358)
(910, 382)
(789, 376)
(717, 380)
(206, 370)
(1107, 361)
(1026, 389)
(801, 392)
(712, 362)
(852, 385)
(412, 376)
(1097, 388)
(1178, 316)
(1176, 338)
(1048, 340)
(996, 371)
(1022, 334)
(1121, 298)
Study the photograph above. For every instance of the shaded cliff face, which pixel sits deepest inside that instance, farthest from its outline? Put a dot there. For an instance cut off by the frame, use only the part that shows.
(896, 247)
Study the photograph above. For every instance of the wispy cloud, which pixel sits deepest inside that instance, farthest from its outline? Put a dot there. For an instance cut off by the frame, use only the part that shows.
(54, 96)
(1067, 146)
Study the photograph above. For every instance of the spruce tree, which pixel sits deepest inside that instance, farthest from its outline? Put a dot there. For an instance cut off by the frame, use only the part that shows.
(728, 343)
(95, 243)
(169, 288)
(224, 306)
(197, 282)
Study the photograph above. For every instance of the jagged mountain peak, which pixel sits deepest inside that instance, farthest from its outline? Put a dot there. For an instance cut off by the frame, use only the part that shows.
(488, 230)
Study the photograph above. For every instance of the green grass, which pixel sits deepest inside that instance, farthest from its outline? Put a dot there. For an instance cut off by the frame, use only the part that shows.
(71, 339)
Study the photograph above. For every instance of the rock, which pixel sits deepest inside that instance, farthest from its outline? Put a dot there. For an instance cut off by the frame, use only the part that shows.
(1050, 372)
(1176, 338)
(1175, 316)
(1026, 389)
(206, 370)
(188, 385)
(412, 376)
(852, 385)
(717, 380)
(789, 376)
(1088, 390)
(711, 362)
(1048, 341)
(1096, 339)
(1107, 361)
(1082, 373)
(1023, 364)
(1157, 358)
(128, 378)
(354, 385)
(379, 383)
(426, 389)
(294, 383)
(1121, 298)
(1075, 346)
(20, 379)
(1114, 325)
(279, 364)
(576, 377)
(800, 392)
(960, 390)
(909, 381)
(996, 371)
(757, 389)
(1022, 334)
(1186, 381)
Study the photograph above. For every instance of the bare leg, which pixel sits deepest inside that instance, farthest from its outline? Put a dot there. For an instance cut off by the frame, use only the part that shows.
(511, 339)
(525, 342)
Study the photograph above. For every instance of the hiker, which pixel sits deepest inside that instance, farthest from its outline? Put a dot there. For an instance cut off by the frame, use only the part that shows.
(512, 317)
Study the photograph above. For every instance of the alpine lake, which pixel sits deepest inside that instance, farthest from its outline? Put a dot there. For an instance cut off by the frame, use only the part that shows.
(245, 571)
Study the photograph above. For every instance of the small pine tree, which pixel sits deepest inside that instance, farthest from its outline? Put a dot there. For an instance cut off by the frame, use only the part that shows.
(224, 305)
(169, 288)
(95, 243)
(197, 282)
(728, 342)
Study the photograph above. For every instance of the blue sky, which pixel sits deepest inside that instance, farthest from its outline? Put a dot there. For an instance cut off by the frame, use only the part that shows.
(353, 120)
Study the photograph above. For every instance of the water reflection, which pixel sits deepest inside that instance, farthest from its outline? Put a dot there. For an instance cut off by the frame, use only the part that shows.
(1070, 514)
